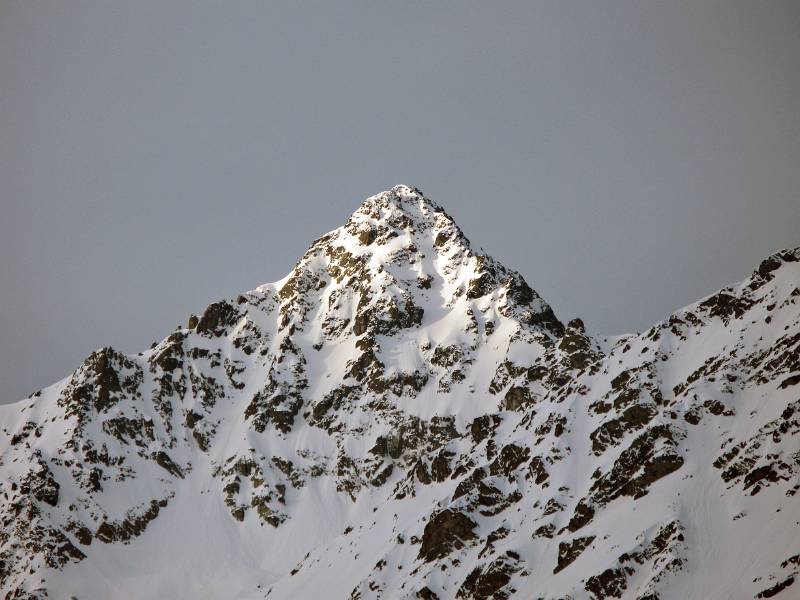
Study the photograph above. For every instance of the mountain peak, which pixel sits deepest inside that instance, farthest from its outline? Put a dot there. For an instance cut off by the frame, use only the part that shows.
(404, 199)
(401, 210)
(398, 257)
(402, 416)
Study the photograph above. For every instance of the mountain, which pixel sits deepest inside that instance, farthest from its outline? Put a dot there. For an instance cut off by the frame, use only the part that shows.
(404, 417)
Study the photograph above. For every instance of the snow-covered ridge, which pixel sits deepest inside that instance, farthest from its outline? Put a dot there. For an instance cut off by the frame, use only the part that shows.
(402, 416)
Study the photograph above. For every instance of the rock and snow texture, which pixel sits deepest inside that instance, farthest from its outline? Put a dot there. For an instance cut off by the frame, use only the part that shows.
(404, 417)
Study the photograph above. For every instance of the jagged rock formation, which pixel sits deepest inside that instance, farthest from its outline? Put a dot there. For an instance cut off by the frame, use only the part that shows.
(404, 417)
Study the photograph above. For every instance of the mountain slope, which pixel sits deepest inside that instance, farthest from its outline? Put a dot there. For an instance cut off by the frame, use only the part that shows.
(404, 417)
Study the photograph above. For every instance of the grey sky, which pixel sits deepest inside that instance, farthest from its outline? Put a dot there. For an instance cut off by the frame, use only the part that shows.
(626, 157)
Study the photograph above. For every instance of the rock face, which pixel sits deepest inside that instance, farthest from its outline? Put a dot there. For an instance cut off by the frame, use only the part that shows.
(404, 417)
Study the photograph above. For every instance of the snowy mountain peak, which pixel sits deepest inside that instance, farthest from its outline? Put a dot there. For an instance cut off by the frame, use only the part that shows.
(398, 258)
(400, 222)
(401, 200)
(404, 417)
(402, 206)
(401, 219)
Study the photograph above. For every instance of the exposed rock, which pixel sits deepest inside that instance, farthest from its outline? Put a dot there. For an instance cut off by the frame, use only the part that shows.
(446, 531)
(569, 551)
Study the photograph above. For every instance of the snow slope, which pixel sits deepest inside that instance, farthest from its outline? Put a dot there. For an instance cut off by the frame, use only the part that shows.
(404, 417)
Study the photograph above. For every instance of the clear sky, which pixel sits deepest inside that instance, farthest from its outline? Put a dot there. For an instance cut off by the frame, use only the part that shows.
(626, 157)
